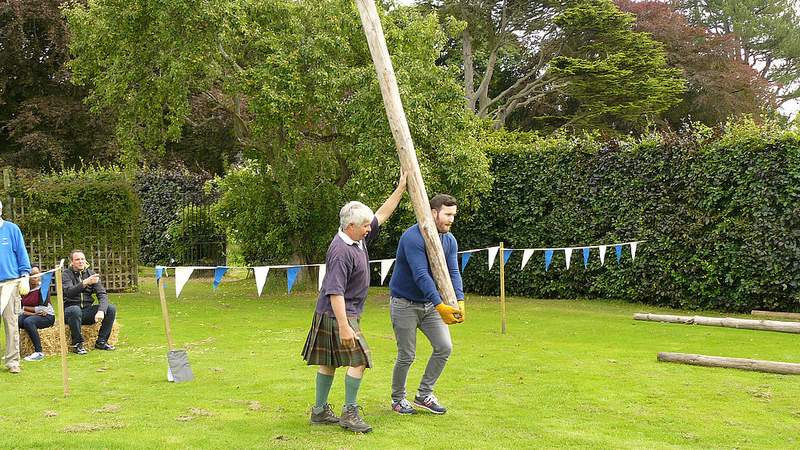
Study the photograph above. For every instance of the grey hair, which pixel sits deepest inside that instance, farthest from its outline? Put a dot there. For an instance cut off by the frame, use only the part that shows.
(356, 213)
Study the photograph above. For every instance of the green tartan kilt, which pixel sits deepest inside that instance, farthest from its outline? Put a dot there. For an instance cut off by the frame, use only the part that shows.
(323, 347)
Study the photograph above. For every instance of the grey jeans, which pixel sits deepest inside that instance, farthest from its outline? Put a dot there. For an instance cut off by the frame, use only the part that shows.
(407, 316)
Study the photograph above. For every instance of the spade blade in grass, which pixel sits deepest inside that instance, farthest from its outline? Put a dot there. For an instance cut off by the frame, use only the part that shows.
(179, 369)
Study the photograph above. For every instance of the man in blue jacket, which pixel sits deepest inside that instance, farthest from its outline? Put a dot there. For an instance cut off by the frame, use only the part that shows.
(415, 303)
(14, 263)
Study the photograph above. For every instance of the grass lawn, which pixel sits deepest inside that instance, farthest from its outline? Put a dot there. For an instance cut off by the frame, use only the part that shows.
(567, 374)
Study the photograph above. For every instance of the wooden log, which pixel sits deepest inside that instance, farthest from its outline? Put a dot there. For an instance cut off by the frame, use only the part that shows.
(728, 322)
(732, 363)
(405, 148)
(776, 314)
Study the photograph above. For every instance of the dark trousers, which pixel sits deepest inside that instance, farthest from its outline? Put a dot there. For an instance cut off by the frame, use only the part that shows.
(74, 317)
(32, 324)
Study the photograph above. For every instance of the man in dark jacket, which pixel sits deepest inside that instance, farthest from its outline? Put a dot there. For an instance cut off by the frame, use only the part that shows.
(80, 283)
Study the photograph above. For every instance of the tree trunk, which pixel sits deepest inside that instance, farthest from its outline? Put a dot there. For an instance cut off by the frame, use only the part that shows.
(405, 148)
(469, 72)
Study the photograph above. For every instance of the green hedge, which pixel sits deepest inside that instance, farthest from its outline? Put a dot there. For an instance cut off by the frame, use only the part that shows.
(720, 216)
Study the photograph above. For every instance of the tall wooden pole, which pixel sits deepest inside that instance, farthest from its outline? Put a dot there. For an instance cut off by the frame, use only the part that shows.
(502, 289)
(405, 148)
(62, 334)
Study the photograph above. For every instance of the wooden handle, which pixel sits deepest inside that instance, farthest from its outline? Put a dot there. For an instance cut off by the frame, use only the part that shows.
(405, 148)
(62, 335)
(165, 313)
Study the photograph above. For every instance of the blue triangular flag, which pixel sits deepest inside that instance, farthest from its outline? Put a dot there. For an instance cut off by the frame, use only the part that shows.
(46, 279)
(548, 258)
(618, 251)
(465, 259)
(291, 276)
(586, 258)
(506, 255)
(219, 272)
(159, 272)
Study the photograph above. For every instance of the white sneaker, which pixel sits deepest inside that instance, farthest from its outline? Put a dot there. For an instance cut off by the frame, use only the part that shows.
(35, 356)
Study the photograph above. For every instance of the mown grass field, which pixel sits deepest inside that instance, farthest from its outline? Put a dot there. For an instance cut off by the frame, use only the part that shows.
(568, 374)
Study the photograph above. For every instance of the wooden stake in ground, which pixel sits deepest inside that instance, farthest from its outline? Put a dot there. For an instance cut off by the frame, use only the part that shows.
(405, 148)
(502, 289)
(776, 314)
(733, 363)
(728, 322)
(62, 334)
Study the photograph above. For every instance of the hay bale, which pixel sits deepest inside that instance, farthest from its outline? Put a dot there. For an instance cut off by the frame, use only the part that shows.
(49, 337)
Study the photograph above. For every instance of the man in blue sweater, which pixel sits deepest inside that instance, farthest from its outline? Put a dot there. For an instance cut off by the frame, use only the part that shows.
(415, 303)
(14, 264)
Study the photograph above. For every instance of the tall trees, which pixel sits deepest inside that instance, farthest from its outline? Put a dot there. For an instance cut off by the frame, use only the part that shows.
(558, 64)
(296, 82)
(765, 35)
(718, 85)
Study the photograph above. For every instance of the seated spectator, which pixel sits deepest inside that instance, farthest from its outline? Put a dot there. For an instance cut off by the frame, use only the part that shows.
(37, 313)
(79, 284)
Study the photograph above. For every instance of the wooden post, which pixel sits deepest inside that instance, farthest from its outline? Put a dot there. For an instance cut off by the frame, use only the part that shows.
(728, 322)
(165, 313)
(405, 148)
(62, 335)
(502, 289)
(733, 363)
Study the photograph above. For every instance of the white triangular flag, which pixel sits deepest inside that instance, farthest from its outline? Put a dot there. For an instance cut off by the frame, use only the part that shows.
(633, 250)
(602, 255)
(492, 255)
(182, 275)
(261, 277)
(526, 255)
(321, 276)
(386, 264)
(568, 255)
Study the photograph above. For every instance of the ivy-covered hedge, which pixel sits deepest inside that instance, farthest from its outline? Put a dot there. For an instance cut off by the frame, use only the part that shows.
(720, 216)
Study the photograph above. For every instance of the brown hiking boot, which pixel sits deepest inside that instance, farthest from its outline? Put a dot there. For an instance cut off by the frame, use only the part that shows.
(352, 421)
(323, 415)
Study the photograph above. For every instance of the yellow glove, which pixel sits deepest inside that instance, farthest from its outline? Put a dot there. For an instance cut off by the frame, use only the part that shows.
(448, 314)
(24, 286)
(463, 309)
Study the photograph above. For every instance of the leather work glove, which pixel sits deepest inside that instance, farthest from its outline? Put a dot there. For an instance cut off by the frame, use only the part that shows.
(24, 286)
(463, 310)
(448, 314)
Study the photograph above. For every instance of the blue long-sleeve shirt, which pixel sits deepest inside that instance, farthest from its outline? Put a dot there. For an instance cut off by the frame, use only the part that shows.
(412, 278)
(14, 260)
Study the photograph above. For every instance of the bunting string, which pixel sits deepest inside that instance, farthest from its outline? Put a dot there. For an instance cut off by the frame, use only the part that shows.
(183, 273)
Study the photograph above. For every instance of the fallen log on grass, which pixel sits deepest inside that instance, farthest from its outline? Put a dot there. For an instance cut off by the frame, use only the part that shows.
(732, 363)
(729, 322)
(776, 314)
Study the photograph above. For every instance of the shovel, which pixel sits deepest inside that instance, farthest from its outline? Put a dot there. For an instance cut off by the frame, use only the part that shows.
(178, 360)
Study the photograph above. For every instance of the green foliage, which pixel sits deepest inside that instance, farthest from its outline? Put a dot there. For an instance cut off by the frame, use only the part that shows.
(163, 193)
(720, 217)
(196, 238)
(77, 201)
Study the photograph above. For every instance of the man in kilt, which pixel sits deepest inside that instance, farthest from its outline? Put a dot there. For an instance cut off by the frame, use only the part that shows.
(335, 338)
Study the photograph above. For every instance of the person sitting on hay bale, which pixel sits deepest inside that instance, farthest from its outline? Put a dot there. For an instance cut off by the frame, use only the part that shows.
(335, 338)
(37, 313)
(79, 284)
